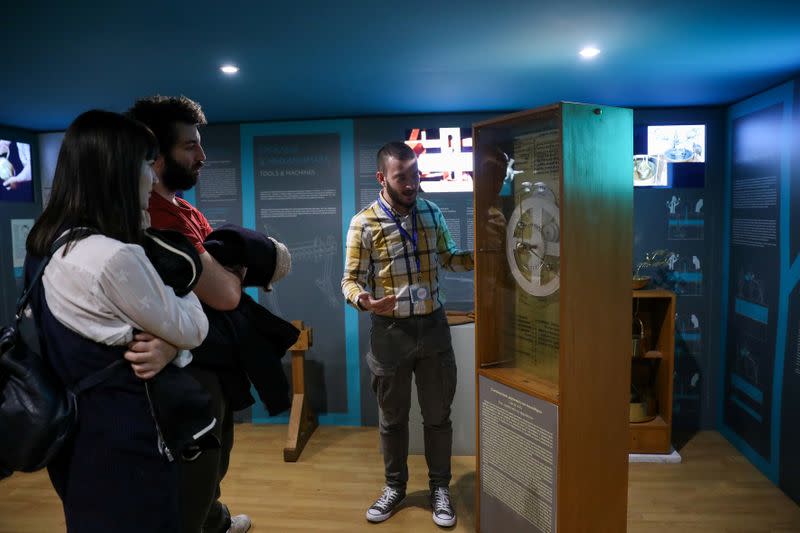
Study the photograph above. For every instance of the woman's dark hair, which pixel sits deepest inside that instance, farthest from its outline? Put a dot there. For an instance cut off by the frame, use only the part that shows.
(96, 181)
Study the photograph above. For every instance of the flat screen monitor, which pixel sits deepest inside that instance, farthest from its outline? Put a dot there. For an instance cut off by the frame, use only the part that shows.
(444, 156)
(16, 183)
(677, 143)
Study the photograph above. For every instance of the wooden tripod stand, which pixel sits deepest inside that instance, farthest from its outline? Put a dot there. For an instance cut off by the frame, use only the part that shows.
(302, 420)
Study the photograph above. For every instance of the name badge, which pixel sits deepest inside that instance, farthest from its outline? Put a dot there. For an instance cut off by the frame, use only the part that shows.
(419, 292)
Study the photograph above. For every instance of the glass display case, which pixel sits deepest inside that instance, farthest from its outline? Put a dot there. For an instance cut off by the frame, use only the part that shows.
(553, 203)
(517, 241)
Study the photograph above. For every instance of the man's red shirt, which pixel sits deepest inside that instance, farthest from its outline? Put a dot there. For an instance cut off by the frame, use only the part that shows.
(184, 218)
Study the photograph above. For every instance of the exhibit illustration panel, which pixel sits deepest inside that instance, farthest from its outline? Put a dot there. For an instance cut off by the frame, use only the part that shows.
(753, 279)
(297, 200)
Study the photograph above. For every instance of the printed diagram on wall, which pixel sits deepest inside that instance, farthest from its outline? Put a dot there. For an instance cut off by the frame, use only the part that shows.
(685, 274)
(750, 355)
(685, 222)
(746, 365)
(689, 332)
(749, 377)
(20, 227)
(322, 250)
(687, 377)
(748, 381)
(750, 287)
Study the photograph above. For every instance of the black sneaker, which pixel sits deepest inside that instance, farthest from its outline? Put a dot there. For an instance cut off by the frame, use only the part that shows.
(443, 513)
(385, 505)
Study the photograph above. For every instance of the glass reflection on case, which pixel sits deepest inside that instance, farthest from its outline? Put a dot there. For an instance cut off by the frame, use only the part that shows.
(533, 240)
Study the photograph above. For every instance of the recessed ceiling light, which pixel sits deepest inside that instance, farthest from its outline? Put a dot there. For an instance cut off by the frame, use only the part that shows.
(229, 69)
(589, 52)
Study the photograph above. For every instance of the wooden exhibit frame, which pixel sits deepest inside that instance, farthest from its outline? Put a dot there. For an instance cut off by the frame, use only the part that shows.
(656, 308)
(302, 420)
(590, 379)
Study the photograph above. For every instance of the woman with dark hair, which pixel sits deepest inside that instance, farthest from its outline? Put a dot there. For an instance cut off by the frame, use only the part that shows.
(100, 300)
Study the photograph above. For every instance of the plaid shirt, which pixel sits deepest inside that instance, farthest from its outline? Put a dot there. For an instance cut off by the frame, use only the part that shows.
(380, 259)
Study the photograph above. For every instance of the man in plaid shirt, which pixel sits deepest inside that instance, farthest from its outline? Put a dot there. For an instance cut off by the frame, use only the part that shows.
(395, 248)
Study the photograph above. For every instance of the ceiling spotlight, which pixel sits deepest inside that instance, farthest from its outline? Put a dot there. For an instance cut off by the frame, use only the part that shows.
(229, 69)
(589, 52)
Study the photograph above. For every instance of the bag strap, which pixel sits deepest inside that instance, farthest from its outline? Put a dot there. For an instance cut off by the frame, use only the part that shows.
(96, 378)
(101, 375)
(75, 233)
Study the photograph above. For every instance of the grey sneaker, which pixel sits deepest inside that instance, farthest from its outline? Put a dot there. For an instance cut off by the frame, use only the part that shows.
(443, 513)
(240, 524)
(385, 505)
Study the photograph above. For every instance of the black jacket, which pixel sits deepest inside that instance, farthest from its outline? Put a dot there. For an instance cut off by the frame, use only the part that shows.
(246, 345)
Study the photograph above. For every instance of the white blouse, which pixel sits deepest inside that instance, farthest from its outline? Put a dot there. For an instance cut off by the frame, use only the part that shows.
(103, 289)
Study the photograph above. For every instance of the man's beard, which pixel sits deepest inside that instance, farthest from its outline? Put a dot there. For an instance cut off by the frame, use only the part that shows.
(176, 177)
(399, 199)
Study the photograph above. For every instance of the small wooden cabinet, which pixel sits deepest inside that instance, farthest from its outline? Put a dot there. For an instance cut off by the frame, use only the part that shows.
(652, 366)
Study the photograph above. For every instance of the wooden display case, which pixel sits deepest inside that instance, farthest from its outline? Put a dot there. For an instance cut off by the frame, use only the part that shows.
(553, 202)
(653, 363)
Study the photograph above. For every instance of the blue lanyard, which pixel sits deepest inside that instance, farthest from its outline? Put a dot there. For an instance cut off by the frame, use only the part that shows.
(403, 232)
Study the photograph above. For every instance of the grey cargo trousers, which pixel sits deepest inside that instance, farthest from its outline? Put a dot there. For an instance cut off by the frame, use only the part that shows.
(418, 345)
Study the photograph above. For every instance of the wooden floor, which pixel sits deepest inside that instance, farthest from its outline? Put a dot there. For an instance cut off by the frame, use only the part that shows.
(339, 474)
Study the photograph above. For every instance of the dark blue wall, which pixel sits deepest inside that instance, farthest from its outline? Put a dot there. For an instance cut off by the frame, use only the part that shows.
(789, 467)
(693, 233)
(759, 393)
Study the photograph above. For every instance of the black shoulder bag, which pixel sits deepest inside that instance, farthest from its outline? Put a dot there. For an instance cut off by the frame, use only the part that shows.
(38, 413)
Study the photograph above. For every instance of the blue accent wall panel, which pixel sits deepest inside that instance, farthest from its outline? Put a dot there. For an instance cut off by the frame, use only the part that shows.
(760, 322)
(296, 186)
(789, 466)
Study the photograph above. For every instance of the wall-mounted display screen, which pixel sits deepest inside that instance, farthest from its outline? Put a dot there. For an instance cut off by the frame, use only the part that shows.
(677, 144)
(444, 156)
(15, 172)
(650, 171)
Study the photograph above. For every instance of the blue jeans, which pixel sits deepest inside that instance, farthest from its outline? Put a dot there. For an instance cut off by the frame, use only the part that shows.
(420, 346)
